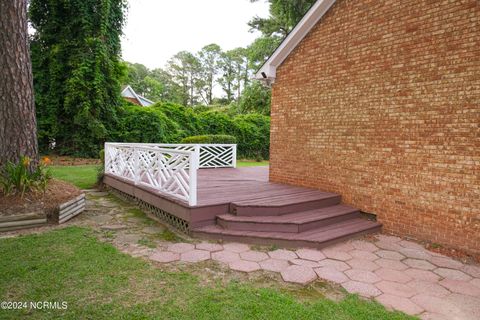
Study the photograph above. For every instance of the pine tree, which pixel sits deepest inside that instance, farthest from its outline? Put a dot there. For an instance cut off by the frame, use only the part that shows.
(18, 132)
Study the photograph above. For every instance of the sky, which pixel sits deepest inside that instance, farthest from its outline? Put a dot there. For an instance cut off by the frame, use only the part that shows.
(157, 29)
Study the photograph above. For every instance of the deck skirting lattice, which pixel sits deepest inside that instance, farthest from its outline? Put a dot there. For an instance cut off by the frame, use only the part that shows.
(174, 221)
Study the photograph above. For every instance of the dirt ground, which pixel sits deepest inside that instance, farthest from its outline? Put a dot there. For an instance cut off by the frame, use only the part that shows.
(57, 192)
(71, 161)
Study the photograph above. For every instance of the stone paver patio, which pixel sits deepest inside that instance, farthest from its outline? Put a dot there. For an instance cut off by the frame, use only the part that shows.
(399, 274)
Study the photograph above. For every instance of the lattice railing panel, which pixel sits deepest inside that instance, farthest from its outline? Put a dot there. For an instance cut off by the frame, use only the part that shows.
(165, 170)
(217, 156)
(120, 161)
(168, 168)
(210, 155)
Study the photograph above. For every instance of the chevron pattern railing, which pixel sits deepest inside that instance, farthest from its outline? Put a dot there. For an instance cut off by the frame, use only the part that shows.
(166, 167)
(169, 171)
(210, 155)
(218, 155)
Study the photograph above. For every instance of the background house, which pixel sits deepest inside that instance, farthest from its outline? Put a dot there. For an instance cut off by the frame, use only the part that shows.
(129, 94)
(380, 101)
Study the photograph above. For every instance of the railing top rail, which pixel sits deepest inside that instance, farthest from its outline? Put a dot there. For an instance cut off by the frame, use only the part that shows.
(140, 147)
(175, 171)
(172, 144)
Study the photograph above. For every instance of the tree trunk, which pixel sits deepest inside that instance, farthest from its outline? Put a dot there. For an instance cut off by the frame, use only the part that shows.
(245, 79)
(210, 90)
(18, 127)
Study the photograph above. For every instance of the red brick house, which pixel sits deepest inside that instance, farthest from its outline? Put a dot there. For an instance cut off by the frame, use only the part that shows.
(380, 101)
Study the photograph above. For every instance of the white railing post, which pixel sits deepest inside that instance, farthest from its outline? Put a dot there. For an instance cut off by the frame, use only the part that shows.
(234, 156)
(197, 155)
(192, 182)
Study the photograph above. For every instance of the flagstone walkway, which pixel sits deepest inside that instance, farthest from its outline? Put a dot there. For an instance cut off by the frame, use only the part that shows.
(400, 274)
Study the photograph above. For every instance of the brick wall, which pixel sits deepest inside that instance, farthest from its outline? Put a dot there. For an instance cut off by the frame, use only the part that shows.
(381, 103)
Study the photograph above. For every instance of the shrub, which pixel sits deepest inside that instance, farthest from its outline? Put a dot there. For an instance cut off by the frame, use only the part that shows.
(255, 98)
(253, 135)
(145, 124)
(215, 122)
(185, 117)
(251, 131)
(101, 155)
(101, 168)
(211, 138)
(17, 178)
(171, 123)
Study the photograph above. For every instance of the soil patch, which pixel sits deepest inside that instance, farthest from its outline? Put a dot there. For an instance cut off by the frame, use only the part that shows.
(71, 161)
(464, 256)
(57, 192)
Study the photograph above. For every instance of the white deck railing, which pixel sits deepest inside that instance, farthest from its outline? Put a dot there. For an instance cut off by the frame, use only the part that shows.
(169, 168)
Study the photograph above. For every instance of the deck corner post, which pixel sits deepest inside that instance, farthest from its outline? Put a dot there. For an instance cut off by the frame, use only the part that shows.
(193, 167)
(234, 156)
(197, 155)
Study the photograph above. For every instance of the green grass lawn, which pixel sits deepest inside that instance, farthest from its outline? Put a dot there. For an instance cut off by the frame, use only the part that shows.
(243, 163)
(98, 282)
(85, 176)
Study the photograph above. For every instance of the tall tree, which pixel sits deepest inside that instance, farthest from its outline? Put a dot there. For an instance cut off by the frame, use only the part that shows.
(209, 57)
(228, 76)
(77, 71)
(233, 66)
(171, 90)
(156, 85)
(243, 72)
(18, 132)
(185, 70)
(284, 15)
(255, 99)
(260, 49)
(136, 74)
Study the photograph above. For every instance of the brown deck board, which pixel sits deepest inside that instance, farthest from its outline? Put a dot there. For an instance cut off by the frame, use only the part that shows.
(295, 218)
(283, 199)
(219, 186)
(318, 235)
(242, 205)
(226, 185)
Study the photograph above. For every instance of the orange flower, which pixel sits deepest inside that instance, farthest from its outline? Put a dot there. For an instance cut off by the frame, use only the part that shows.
(26, 161)
(46, 161)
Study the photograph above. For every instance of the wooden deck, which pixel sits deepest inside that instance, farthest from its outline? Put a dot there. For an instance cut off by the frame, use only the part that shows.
(248, 186)
(242, 205)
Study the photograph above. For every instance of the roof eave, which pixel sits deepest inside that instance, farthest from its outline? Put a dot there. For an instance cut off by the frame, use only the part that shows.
(268, 71)
(143, 99)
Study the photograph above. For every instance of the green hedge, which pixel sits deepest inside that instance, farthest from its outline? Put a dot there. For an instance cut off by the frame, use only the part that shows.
(171, 123)
(252, 131)
(148, 125)
(253, 135)
(211, 138)
(185, 117)
(215, 122)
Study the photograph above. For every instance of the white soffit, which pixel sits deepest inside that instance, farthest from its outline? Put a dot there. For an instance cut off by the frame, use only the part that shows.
(268, 70)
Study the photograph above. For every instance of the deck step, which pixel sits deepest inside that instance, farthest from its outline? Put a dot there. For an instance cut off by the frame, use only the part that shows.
(314, 238)
(284, 204)
(292, 222)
